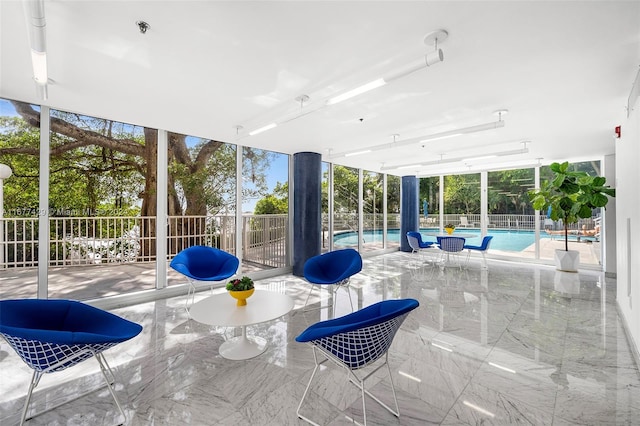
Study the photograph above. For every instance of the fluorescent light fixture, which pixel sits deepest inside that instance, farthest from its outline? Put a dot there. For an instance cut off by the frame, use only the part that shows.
(357, 91)
(34, 13)
(482, 157)
(458, 159)
(409, 376)
(463, 169)
(42, 91)
(479, 409)
(263, 129)
(405, 71)
(39, 61)
(424, 139)
(500, 367)
(441, 137)
(352, 154)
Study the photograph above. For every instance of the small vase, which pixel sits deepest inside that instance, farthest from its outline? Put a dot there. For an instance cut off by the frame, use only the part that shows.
(241, 296)
(449, 230)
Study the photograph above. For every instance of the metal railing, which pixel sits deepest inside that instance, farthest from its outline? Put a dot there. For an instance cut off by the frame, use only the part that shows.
(505, 222)
(96, 240)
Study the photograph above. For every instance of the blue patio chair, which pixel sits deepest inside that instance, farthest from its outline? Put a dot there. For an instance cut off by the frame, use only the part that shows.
(355, 341)
(417, 245)
(482, 248)
(54, 334)
(451, 246)
(418, 236)
(334, 269)
(203, 263)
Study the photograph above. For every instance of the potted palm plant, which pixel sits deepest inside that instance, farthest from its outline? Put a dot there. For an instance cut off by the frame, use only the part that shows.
(570, 196)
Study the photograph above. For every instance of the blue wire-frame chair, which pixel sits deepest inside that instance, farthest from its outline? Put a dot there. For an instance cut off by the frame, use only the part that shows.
(355, 341)
(203, 263)
(451, 246)
(54, 334)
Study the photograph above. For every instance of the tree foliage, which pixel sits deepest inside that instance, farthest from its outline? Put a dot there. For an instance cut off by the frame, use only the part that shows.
(95, 163)
(276, 202)
(462, 193)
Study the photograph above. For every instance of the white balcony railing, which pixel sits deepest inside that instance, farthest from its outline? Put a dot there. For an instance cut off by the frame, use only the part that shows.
(96, 240)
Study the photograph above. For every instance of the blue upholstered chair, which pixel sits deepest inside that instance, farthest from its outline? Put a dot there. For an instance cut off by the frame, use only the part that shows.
(418, 246)
(202, 263)
(55, 334)
(333, 269)
(356, 341)
(482, 248)
(418, 238)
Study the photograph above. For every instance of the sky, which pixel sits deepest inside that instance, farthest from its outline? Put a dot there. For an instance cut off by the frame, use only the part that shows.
(278, 172)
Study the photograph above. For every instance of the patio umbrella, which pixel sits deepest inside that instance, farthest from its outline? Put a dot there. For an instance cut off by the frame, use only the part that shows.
(425, 206)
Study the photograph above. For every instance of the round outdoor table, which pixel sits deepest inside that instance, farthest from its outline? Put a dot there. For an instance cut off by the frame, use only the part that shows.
(221, 310)
(454, 234)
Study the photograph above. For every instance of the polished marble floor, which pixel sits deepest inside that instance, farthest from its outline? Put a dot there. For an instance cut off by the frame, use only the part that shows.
(509, 344)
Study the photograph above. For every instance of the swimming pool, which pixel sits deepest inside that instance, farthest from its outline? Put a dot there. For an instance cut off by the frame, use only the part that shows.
(506, 240)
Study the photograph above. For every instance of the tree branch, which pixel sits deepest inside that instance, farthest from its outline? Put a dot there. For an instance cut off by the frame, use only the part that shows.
(81, 137)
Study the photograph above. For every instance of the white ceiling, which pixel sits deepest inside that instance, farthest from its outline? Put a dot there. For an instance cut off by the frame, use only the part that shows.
(563, 69)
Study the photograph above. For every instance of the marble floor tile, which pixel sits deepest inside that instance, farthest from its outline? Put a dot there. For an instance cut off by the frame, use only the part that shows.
(511, 344)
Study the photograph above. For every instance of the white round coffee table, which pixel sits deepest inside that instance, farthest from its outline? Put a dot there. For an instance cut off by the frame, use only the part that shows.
(221, 310)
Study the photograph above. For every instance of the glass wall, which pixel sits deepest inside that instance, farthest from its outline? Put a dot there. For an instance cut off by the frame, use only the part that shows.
(102, 203)
(373, 214)
(583, 236)
(326, 234)
(430, 203)
(462, 200)
(393, 211)
(19, 199)
(201, 195)
(345, 207)
(265, 207)
(511, 217)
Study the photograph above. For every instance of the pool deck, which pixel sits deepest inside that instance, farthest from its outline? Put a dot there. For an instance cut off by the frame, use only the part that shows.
(589, 251)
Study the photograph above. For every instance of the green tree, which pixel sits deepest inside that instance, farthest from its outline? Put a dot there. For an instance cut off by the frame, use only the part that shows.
(345, 184)
(462, 194)
(276, 202)
(508, 191)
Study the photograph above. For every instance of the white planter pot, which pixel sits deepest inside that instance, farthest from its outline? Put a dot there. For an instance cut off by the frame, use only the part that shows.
(567, 261)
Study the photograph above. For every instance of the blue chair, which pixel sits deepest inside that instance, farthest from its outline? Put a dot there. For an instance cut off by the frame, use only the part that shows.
(482, 248)
(203, 263)
(418, 237)
(55, 334)
(451, 246)
(355, 341)
(334, 269)
(417, 245)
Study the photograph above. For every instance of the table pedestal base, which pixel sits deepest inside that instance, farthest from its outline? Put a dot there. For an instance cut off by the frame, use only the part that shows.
(241, 347)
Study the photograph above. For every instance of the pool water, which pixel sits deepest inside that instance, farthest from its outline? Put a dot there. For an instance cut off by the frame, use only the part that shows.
(506, 240)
